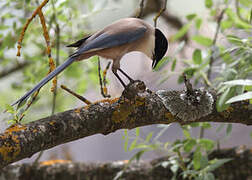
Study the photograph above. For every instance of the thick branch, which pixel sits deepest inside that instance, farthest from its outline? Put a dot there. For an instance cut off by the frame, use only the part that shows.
(238, 168)
(136, 107)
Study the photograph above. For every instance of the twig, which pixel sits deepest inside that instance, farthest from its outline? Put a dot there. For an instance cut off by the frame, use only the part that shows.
(214, 42)
(159, 14)
(57, 31)
(47, 39)
(105, 80)
(76, 95)
(27, 24)
(189, 88)
(103, 87)
(29, 104)
(141, 9)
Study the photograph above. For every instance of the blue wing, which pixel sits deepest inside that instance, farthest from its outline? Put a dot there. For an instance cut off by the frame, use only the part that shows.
(106, 40)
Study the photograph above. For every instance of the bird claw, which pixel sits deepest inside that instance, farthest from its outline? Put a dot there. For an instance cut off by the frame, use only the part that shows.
(133, 89)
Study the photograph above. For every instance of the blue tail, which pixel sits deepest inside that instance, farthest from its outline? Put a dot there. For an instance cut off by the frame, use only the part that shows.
(45, 80)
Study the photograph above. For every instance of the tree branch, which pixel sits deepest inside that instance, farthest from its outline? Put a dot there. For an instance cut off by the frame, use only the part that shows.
(238, 168)
(136, 107)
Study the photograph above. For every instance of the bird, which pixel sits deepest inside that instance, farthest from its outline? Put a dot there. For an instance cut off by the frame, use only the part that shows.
(113, 42)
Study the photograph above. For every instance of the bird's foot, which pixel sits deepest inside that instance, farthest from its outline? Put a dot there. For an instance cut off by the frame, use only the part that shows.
(134, 88)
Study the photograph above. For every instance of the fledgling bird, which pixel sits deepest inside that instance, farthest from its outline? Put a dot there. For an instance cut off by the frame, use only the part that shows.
(113, 42)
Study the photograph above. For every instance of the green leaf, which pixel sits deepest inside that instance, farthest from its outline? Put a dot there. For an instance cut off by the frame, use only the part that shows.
(246, 3)
(167, 143)
(251, 135)
(196, 124)
(198, 23)
(162, 63)
(241, 97)
(149, 136)
(179, 47)
(209, 176)
(202, 40)
(126, 140)
(197, 57)
(137, 156)
(118, 175)
(9, 109)
(207, 144)
(186, 133)
(229, 129)
(133, 145)
(181, 32)
(242, 82)
(190, 71)
(208, 3)
(220, 127)
(206, 125)
(226, 24)
(250, 18)
(216, 163)
(234, 40)
(196, 158)
(137, 131)
(189, 145)
(190, 17)
(174, 62)
(204, 161)
(221, 101)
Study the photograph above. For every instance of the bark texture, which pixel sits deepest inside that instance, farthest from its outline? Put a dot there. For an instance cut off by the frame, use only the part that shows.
(238, 168)
(136, 107)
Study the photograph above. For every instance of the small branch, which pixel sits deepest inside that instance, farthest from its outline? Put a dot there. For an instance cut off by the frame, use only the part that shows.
(159, 13)
(52, 65)
(141, 9)
(106, 95)
(76, 95)
(188, 85)
(214, 43)
(16, 67)
(109, 115)
(103, 82)
(27, 24)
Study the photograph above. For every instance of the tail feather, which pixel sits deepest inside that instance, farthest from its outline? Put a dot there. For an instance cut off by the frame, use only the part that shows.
(46, 79)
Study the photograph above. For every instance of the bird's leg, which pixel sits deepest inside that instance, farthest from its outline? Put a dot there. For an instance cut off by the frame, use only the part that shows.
(118, 77)
(126, 75)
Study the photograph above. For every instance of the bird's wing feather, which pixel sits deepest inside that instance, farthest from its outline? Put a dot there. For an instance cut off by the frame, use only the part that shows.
(79, 43)
(109, 40)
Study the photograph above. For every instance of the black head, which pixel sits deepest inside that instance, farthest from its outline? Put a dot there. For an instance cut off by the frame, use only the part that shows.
(161, 45)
